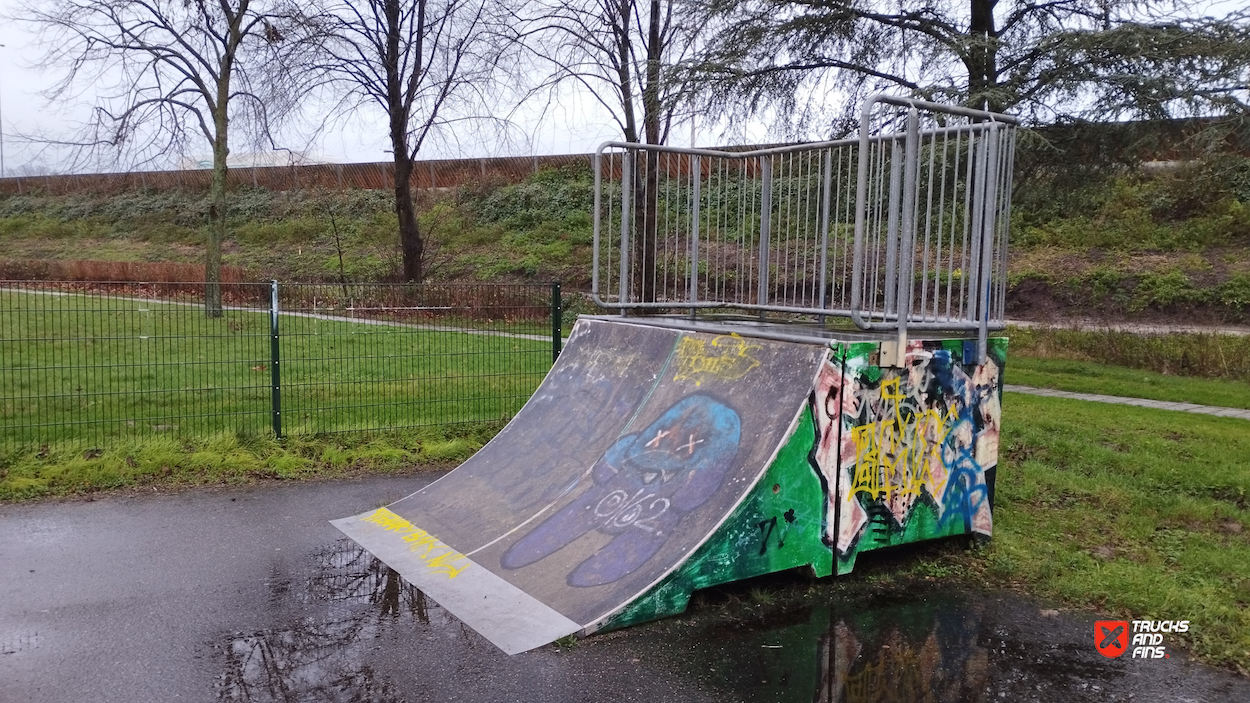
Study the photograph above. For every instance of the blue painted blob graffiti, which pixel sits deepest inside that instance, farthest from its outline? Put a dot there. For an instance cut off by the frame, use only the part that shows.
(943, 370)
(642, 487)
(965, 489)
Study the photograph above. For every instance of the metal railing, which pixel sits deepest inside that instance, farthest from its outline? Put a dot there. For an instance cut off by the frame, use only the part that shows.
(92, 361)
(903, 227)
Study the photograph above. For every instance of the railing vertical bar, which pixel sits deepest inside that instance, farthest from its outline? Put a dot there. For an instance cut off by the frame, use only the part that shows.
(766, 208)
(826, 187)
(973, 145)
(987, 246)
(598, 204)
(696, 182)
(627, 182)
(906, 254)
(928, 228)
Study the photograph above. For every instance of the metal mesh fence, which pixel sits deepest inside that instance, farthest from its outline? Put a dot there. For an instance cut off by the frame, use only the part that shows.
(94, 361)
(904, 226)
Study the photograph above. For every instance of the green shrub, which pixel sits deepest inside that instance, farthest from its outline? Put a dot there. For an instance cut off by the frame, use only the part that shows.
(1235, 292)
(1165, 290)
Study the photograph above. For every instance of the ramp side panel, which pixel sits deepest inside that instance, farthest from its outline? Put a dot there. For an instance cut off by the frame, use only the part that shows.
(698, 444)
(583, 404)
(507, 616)
(917, 447)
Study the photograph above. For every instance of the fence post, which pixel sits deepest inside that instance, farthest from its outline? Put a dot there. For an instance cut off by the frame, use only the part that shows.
(556, 321)
(766, 214)
(275, 375)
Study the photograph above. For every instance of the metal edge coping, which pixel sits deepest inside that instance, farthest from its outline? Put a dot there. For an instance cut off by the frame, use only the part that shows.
(746, 329)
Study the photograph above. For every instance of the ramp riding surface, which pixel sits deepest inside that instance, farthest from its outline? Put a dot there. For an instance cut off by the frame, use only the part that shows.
(637, 446)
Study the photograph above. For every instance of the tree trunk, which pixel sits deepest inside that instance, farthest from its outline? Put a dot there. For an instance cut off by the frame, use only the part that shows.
(411, 246)
(982, 61)
(217, 218)
(410, 242)
(646, 184)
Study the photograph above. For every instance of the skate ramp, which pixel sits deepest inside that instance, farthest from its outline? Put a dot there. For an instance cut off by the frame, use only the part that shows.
(634, 450)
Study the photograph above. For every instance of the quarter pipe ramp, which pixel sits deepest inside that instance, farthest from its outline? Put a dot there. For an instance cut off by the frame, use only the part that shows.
(653, 461)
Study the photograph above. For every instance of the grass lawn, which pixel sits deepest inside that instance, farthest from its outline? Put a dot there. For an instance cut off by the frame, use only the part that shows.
(71, 467)
(1104, 379)
(1136, 512)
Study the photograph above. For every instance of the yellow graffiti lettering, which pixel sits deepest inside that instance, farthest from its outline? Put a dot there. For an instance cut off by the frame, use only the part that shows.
(867, 461)
(890, 390)
(894, 458)
(390, 521)
(696, 363)
(445, 563)
(437, 556)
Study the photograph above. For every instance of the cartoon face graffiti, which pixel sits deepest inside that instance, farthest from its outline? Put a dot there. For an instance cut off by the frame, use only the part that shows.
(642, 487)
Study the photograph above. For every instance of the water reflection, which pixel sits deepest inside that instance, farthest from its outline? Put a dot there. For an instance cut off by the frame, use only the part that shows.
(323, 657)
(923, 651)
(936, 646)
(346, 573)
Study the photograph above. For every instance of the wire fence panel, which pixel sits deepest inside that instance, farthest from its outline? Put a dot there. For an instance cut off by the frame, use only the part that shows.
(904, 226)
(99, 361)
(91, 360)
(768, 229)
(359, 357)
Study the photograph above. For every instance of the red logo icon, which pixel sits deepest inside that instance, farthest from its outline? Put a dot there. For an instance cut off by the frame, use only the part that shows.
(1111, 637)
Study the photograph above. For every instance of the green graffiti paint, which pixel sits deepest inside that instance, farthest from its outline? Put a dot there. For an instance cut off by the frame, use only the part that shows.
(777, 527)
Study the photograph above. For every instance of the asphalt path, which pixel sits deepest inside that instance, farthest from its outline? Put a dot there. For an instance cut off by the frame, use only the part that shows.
(248, 594)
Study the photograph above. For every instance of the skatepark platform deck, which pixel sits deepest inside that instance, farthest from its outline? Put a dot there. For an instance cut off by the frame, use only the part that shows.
(660, 456)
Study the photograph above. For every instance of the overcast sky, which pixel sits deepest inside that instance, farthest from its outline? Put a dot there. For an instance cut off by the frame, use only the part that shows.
(573, 124)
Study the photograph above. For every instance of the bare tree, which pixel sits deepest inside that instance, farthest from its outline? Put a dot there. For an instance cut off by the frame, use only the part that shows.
(624, 53)
(628, 55)
(164, 71)
(425, 64)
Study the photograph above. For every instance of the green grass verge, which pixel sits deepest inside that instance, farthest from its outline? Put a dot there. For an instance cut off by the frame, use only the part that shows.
(1104, 379)
(1202, 355)
(74, 467)
(1132, 512)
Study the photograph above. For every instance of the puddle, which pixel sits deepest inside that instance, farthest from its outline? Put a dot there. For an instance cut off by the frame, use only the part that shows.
(936, 647)
(351, 629)
(325, 655)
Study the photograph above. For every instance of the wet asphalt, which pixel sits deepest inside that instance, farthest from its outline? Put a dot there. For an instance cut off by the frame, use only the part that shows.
(248, 594)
